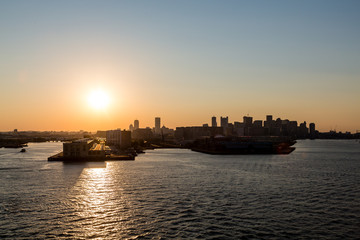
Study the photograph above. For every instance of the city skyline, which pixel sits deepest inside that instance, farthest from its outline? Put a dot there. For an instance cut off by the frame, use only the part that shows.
(183, 61)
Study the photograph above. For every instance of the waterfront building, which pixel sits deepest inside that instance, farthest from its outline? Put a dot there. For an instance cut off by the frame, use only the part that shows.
(302, 131)
(312, 130)
(113, 137)
(257, 128)
(83, 148)
(292, 128)
(118, 138)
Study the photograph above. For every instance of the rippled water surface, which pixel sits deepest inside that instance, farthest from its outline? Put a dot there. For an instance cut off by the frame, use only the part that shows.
(312, 193)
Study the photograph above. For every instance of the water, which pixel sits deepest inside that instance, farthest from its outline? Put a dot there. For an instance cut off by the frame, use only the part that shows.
(312, 193)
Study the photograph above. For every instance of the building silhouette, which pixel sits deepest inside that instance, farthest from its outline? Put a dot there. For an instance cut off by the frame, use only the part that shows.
(136, 124)
(224, 121)
(157, 125)
(213, 122)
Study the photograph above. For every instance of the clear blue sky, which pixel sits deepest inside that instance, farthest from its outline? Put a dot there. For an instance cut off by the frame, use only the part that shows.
(182, 60)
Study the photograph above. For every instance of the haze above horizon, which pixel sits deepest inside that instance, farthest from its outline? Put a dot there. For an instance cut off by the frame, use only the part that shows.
(184, 61)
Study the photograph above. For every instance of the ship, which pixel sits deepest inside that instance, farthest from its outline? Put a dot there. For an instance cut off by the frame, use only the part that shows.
(244, 145)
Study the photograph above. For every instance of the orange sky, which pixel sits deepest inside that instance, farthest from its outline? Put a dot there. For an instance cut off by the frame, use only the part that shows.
(184, 63)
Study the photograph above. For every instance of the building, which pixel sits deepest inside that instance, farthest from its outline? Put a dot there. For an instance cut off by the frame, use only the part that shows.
(136, 124)
(312, 130)
(142, 134)
(113, 137)
(239, 129)
(224, 121)
(83, 148)
(78, 148)
(248, 121)
(157, 125)
(257, 123)
(125, 139)
(118, 138)
(101, 134)
(303, 131)
(213, 122)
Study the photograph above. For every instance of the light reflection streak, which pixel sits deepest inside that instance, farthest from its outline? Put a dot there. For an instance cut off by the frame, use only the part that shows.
(98, 203)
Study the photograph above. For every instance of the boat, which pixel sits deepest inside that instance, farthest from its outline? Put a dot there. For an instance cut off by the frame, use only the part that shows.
(244, 145)
(23, 150)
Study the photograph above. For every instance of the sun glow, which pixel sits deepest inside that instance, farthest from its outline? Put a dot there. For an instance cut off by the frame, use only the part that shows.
(98, 99)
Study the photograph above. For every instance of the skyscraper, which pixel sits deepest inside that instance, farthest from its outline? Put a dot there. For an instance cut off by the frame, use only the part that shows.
(248, 121)
(213, 122)
(157, 125)
(312, 130)
(136, 124)
(224, 121)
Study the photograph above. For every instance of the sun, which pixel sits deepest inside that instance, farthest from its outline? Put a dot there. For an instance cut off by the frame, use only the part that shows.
(98, 99)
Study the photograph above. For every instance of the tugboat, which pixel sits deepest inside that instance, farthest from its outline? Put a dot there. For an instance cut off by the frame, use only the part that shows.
(23, 150)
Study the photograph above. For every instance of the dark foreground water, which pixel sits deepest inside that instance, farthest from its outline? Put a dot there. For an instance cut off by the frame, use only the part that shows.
(313, 193)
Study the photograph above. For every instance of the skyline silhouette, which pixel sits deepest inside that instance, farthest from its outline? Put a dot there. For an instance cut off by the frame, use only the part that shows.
(181, 60)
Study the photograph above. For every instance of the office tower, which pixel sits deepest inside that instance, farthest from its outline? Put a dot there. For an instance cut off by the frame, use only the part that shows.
(157, 125)
(312, 130)
(136, 124)
(157, 122)
(213, 122)
(269, 118)
(224, 121)
(248, 121)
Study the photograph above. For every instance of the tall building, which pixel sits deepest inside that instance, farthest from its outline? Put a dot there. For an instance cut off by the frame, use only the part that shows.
(157, 125)
(224, 121)
(303, 130)
(136, 124)
(213, 122)
(269, 122)
(248, 121)
(312, 130)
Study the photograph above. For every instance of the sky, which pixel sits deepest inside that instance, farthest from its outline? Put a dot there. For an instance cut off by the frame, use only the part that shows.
(183, 61)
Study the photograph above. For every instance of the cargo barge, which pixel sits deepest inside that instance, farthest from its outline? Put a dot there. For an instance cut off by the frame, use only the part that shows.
(244, 145)
(60, 157)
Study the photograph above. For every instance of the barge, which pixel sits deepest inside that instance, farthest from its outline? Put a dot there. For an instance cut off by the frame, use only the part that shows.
(244, 145)
(60, 157)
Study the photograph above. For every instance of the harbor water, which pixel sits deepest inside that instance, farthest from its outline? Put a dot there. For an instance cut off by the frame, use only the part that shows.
(312, 193)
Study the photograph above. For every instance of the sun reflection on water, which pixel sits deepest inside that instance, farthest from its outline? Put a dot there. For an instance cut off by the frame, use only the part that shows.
(97, 201)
